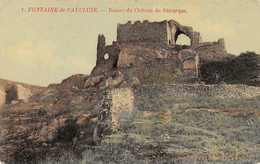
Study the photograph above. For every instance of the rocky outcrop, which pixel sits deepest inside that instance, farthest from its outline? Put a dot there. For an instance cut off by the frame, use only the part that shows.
(49, 118)
(134, 81)
(73, 82)
(93, 81)
(2, 97)
(17, 92)
(111, 80)
(114, 79)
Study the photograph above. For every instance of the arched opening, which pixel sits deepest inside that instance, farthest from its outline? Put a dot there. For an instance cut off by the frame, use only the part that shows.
(183, 40)
(106, 56)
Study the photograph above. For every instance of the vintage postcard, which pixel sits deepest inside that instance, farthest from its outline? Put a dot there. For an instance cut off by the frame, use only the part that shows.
(129, 81)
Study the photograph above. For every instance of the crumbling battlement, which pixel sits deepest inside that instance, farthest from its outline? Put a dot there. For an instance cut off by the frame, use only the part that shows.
(165, 32)
(211, 50)
(107, 56)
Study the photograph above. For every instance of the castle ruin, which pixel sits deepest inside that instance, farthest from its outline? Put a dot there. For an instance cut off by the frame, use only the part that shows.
(166, 32)
(143, 45)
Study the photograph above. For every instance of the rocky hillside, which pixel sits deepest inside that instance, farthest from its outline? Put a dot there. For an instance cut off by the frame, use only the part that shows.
(54, 115)
(113, 119)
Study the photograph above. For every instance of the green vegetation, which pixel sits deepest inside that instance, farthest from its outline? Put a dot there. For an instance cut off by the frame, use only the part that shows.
(197, 131)
(186, 101)
(210, 136)
(243, 69)
(157, 75)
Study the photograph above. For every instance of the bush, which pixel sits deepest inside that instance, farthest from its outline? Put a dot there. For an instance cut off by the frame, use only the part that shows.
(243, 69)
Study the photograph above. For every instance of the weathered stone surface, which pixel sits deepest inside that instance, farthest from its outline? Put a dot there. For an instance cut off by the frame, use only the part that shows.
(117, 106)
(135, 81)
(53, 86)
(186, 54)
(17, 92)
(124, 60)
(93, 81)
(23, 93)
(11, 94)
(53, 132)
(104, 65)
(145, 44)
(114, 78)
(73, 82)
(189, 64)
(49, 95)
(2, 97)
(165, 32)
(209, 51)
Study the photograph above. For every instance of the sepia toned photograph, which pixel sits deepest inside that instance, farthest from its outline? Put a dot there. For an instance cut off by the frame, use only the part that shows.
(129, 81)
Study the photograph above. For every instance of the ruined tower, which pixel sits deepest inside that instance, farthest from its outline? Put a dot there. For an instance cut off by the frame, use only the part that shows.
(101, 49)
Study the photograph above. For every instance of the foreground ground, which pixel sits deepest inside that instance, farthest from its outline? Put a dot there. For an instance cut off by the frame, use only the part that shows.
(197, 124)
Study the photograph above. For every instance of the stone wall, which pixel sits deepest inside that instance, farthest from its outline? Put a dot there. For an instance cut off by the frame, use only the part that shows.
(2, 97)
(190, 63)
(160, 32)
(121, 104)
(145, 54)
(107, 56)
(141, 32)
(117, 105)
(212, 50)
(17, 92)
(164, 32)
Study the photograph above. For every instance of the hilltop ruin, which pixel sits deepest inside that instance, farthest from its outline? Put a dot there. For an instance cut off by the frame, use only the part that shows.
(143, 45)
(87, 117)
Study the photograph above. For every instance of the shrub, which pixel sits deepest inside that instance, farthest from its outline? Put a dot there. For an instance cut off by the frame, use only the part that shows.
(243, 69)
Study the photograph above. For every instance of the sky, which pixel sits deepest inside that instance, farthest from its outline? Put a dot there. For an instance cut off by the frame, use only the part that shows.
(45, 47)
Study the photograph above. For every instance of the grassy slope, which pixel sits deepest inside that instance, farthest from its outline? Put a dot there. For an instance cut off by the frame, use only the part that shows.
(229, 132)
(205, 129)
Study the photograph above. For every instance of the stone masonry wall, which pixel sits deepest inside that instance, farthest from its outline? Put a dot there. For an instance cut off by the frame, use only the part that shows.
(211, 50)
(140, 32)
(121, 104)
(117, 104)
(165, 32)
(105, 64)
